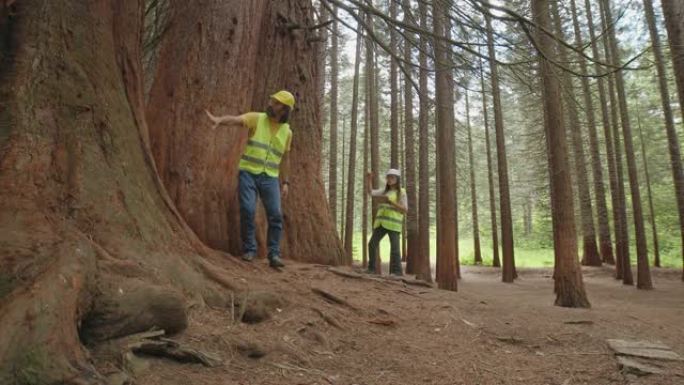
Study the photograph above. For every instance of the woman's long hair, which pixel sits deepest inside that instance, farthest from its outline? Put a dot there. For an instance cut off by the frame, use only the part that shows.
(398, 185)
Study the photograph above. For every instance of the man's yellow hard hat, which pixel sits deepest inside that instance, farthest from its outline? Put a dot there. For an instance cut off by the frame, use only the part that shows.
(284, 97)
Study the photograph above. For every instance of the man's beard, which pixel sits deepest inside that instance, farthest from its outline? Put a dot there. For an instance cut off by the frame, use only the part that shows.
(270, 112)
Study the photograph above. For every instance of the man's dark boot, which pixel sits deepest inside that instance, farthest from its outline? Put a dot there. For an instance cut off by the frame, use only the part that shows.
(275, 262)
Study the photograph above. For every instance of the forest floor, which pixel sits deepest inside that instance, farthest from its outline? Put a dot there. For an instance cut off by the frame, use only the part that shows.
(387, 332)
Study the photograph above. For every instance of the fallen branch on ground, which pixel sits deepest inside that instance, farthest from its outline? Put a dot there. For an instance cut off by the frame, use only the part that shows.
(354, 275)
(333, 298)
(171, 349)
(333, 322)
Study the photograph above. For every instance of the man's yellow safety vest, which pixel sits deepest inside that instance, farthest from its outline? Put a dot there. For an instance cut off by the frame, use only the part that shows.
(265, 150)
(388, 216)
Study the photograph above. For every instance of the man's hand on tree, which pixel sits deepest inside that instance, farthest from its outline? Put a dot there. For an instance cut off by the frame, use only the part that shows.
(215, 119)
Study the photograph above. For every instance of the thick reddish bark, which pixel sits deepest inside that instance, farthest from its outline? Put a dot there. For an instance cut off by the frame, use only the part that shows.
(250, 53)
(84, 216)
(568, 274)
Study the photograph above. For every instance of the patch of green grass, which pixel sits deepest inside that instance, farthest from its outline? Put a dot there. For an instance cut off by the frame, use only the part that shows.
(527, 253)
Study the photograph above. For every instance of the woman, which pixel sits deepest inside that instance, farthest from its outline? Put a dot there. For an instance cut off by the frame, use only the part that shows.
(388, 220)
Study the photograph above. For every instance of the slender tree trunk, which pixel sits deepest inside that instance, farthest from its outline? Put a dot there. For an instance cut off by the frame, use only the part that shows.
(444, 88)
(509, 272)
(528, 214)
(374, 119)
(643, 270)
(473, 188)
(610, 154)
(605, 243)
(320, 64)
(394, 98)
(674, 22)
(351, 174)
(568, 274)
(454, 165)
(332, 153)
(343, 179)
(413, 247)
(490, 173)
(623, 265)
(402, 162)
(364, 214)
(656, 251)
(423, 269)
(591, 255)
(366, 139)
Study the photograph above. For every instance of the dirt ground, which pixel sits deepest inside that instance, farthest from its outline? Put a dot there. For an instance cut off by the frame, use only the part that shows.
(387, 332)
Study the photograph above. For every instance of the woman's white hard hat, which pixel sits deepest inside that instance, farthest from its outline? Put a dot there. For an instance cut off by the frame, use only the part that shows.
(393, 171)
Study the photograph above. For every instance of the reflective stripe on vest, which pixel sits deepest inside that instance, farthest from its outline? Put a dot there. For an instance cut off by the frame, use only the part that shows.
(388, 216)
(265, 150)
(265, 146)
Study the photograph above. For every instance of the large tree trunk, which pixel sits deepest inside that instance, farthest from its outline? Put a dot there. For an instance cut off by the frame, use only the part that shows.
(422, 264)
(643, 270)
(590, 255)
(605, 244)
(490, 173)
(568, 274)
(199, 166)
(351, 174)
(84, 216)
(473, 189)
(508, 273)
(673, 10)
(444, 89)
(413, 248)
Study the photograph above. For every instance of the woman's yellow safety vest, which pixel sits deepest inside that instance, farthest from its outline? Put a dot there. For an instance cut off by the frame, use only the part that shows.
(388, 216)
(265, 150)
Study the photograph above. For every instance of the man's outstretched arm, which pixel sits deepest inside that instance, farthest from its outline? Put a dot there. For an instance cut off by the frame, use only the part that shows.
(226, 119)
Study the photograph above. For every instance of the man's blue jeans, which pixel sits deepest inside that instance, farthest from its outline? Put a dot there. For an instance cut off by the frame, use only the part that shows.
(268, 188)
